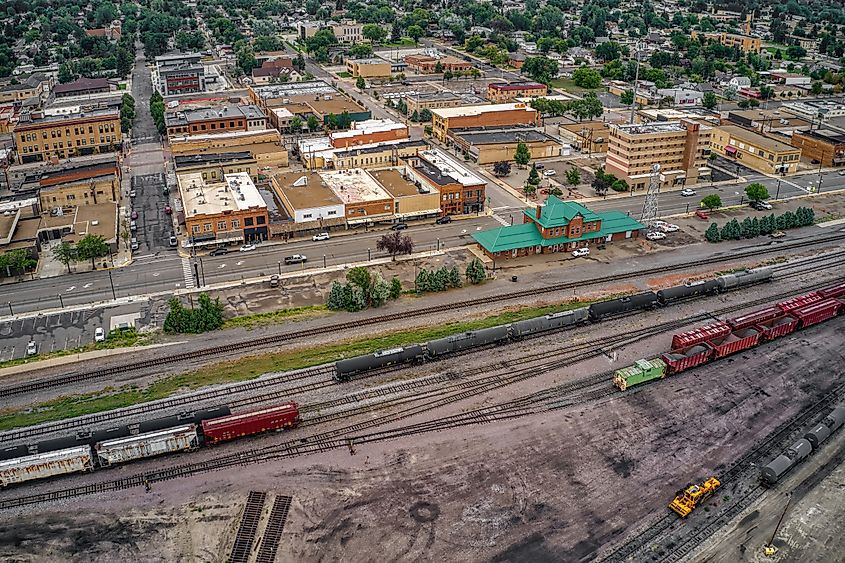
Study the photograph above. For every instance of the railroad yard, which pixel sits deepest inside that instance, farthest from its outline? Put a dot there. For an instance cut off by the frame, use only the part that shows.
(520, 452)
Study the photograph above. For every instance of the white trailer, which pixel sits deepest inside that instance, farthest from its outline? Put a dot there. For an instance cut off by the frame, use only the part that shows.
(121, 450)
(41, 466)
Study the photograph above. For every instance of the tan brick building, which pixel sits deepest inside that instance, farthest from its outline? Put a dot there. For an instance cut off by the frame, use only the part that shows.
(410, 200)
(822, 145)
(85, 185)
(680, 148)
(756, 151)
(369, 132)
(39, 137)
(461, 190)
(364, 199)
(481, 116)
(432, 101)
(369, 68)
(500, 93)
(745, 43)
(495, 145)
(222, 118)
(426, 64)
(264, 145)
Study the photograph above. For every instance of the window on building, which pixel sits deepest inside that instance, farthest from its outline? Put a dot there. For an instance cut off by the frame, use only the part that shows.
(206, 227)
(260, 220)
(248, 222)
(195, 229)
(236, 223)
(221, 225)
(332, 213)
(71, 197)
(307, 215)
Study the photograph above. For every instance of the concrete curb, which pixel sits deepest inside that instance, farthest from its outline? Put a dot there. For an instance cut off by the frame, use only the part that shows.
(228, 285)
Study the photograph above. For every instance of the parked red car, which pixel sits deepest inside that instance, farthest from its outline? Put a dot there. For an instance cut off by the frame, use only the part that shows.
(702, 215)
(168, 210)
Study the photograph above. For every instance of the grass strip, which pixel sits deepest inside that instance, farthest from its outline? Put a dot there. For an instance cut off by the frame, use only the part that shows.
(251, 367)
(283, 315)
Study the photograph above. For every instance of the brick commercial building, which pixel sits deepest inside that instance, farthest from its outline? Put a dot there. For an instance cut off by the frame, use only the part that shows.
(84, 87)
(587, 136)
(825, 146)
(758, 152)
(214, 167)
(39, 137)
(264, 145)
(426, 64)
(495, 145)
(302, 99)
(501, 93)
(682, 150)
(378, 155)
(369, 132)
(180, 74)
(364, 199)
(309, 201)
(226, 211)
(557, 226)
(221, 118)
(369, 68)
(36, 85)
(82, 185)
(744, 43)
(411, 200)
(431, 101)
(461, 190)
(481, 116)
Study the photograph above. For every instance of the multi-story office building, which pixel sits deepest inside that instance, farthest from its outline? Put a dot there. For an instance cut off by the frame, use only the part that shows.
(492, 115)
(223, 118)
(745, 43)
(756, 151)
(39, 137)
(500, 93)
(180, 74)
(681, 148)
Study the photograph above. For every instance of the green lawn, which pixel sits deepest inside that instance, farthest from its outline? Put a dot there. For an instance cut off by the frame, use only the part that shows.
(344, 74)
(568, 85)
(251, 367)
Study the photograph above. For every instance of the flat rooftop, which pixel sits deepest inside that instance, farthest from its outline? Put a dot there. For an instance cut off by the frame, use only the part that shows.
(379, 147)
(214, 158)
(651, 128)
(290, 89)
(752, 138)
(463, 111)
(305, 190)
(98, 219)
(397, 184)
(235, 192)
(517, 86)
(370, 61)
(829, 135)
(70, 116)
(501, 136)
(443, 169)
(435, 97)
(235, 135)
(222, 111)
(368, 127)
(354, 186)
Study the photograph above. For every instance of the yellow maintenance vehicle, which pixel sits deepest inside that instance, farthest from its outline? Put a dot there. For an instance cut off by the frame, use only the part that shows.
(692, 495)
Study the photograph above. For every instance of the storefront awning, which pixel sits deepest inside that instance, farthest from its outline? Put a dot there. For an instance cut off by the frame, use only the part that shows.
(730, 150)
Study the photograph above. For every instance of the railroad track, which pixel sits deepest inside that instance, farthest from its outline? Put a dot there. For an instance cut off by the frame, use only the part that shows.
(592, 387)
(269, 341)
(643, 543)
(242, 547)
(208, 397)
(273, 531)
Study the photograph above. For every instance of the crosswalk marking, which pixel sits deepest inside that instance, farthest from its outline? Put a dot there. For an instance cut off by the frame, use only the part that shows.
(501, 220)
(189, 275)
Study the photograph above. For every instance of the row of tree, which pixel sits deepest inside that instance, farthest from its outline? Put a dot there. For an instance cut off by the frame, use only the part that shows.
(89, 247)
(754, 227)
(157, 111)
(588, 107)
(362, 289)
(430, 281)
(127, 113)
(16, 262)
(605, 181)
(207, 317)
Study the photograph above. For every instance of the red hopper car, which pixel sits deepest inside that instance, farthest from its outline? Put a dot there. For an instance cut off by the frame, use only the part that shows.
(252, 422)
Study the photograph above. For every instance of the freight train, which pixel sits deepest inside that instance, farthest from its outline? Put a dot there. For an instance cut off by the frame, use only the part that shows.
(799, 451)
(723, 338)
(101, 449)
(435, 349)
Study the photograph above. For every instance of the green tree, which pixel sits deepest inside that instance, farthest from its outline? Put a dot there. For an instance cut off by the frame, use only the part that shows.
(374, 32)
(712, 201)
(712, 233)
(766, 226)
(627, 97)
(533, 177)
(361, 51)
(380, 292)
(790, 221)
(475, 272)
(421, 282)
(360, 83)
(816, 88)
(91, 247)
(66, 73)
(573, 176)
(709, 100)
(756, 192)
(448, 75)
(541, 69)
(395, 32)
(124, 59)
(395, 288)
(755, 227)
(585, 77)
(438, 68)
(360, 277)
(522, 156)
(313, 123)
(745, 228)
(175, 320)
(337, 300)
(296, 124)
(415, 32)
(65, 253)
(455, 277)
(736, 229)
(425, 115)
(357, 300)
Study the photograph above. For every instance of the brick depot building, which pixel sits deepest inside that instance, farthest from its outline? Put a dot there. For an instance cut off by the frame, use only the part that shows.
(557, 226)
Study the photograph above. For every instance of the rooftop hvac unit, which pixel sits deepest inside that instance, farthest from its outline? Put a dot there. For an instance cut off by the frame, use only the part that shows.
(95, 222)
(243, 197)
(301, 181)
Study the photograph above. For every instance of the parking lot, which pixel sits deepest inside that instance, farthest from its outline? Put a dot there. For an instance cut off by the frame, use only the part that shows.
(60, 331)
(154, 227)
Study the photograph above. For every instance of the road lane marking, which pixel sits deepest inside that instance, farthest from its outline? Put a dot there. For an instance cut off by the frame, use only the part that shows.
(71, 288)
(239, 263)
(87, 285)
(156, 274)
(221, 266)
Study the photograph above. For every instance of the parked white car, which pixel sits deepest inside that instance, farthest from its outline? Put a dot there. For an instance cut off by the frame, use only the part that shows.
(31, 348)
(321, 236)
(247, 248)
(581, 252)
(666, 227)
(549, 172)
(686, 192)
(655, 235)
(99, 334)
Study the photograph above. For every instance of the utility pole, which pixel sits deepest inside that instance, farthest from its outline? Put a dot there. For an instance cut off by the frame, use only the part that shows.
(111, 282)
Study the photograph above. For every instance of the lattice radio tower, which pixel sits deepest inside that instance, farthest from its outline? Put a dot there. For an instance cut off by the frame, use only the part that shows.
(650, 204)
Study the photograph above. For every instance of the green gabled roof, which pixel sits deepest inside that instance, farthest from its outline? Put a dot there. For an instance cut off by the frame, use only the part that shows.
(557, 213)
(527, 234)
